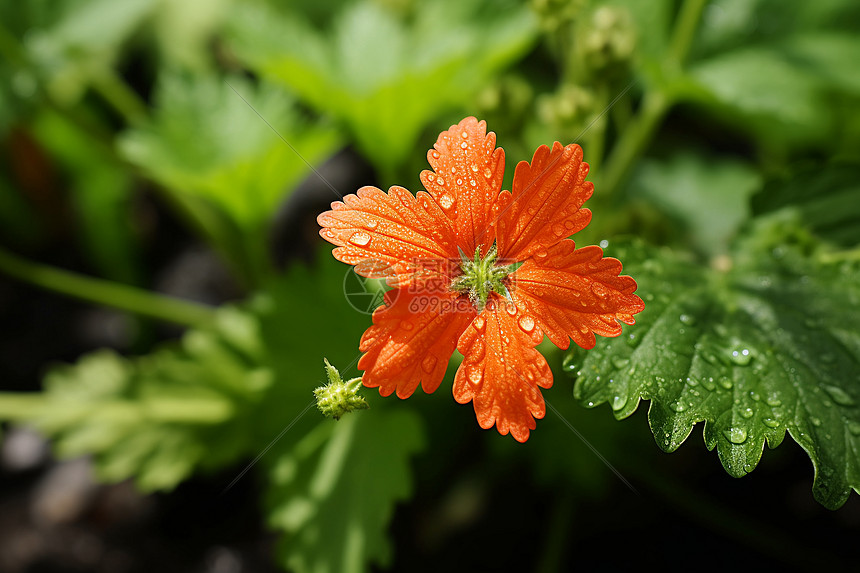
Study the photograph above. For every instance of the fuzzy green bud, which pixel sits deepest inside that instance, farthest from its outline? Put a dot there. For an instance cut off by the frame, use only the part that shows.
(338, 397)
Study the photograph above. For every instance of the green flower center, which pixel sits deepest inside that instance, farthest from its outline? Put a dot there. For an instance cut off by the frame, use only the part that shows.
(482, 276)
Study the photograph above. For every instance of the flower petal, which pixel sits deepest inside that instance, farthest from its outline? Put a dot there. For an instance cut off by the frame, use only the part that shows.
(544, 206)
(466, 179)
(388, 235)
(412, 338)
(576, 293)
(501, 370)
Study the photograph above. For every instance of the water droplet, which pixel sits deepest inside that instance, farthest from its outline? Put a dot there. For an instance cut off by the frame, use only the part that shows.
(474, 167)
(441, 181)
(446, 201)
(558, 230)
(677, 406)
(527, 323)
(459, 181)
(815, 421)
(725, 382)
(435, 155)
(854, 427)
(632, 339)
(329, 233)
(604, 243)
(770, 422)
(428, 363)
(479, 323)
(708, 383)
(747, 413)
(600, 290)
(511, 308)
(687, 319)
(372, 224)
(618, 401)
(475, 376)
(735, 435)
(541, 254)
(453, 169)
(773, 401)
(839, 395)
(473, 183)
(569, 363)
(464, 145)
(360, 239)
(741, 356)
(431, 176)
(488, 173)
(464, 134)
(569, 225)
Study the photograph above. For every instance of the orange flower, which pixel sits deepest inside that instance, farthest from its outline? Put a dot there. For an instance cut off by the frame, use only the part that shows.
(485, 271)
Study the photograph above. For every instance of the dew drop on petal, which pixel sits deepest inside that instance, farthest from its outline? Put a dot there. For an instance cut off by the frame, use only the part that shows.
(431, 176)
(440, 181)
(372, 224)
(435, 155)
(488, 173)
(474, 167)
(475, 377)
(428, 363)
(600, 290)
(527, 323)
(511, 308)
(360, 239)
(459, 181)
(464, 145)
(478, 323)
(446, 201)
(329, 233)
(558, 230)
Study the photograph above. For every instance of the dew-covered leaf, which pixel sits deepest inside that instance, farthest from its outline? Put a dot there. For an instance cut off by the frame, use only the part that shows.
(767, 346)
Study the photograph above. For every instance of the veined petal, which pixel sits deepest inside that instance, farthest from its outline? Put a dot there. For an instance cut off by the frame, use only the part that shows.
(576, 293)
(501, 371)
(412, 338)
(466, 179)
(388, 235)
(545, 205)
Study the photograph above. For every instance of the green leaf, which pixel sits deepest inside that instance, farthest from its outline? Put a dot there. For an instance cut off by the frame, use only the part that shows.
(206, 141)
(762, 348)
(828, 197)
(160, 417)
(383, 77)
(761, 89)
(709, 198)
(334, 493)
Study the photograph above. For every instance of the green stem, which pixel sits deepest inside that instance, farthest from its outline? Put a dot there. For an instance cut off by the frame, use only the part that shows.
(633, 142)
(106, 293)
(685, 30)
(21, 406)
(656, 102)
(597, 135)
(120, 96)
(840, 256)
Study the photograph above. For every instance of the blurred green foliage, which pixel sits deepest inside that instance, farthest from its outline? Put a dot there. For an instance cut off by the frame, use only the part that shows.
(723, 135)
